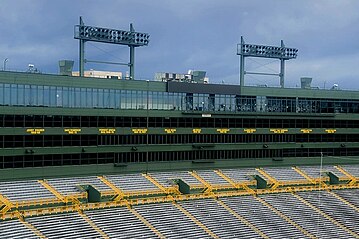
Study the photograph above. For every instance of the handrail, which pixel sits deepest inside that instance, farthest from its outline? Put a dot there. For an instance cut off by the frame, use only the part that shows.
(303, 174)
(196, 221)
(346, 173)
(273, 180)
(148, 224)
(286, 218)
(326, 215)
(225, 177)
(168, 190)
(52, 209)
(8, 204)
(242, 219)
(93, 225)
(52, 190)
(119, 192)
(208, 186)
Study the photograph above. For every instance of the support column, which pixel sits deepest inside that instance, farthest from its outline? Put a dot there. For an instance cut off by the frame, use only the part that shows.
(242, 64)
(282, 67)
(132, 62)
(132, 57)
(82, 53)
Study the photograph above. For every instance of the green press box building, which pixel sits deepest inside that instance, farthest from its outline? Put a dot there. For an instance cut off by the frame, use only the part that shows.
(52, 125)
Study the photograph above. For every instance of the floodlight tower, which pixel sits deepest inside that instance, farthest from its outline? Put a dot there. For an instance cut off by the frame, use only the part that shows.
(250, 50)
(129, 38)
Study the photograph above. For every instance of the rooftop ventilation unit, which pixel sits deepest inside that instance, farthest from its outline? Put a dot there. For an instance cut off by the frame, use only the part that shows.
(305, 82)
(66, 67)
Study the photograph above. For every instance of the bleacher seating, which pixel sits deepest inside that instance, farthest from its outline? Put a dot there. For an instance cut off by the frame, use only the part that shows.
(352, 169)
(352, 196)
(333, 207)
(69, 225)
(262, 217)
(314, 171)
(284, 174)
(305, 216)
(67, 186)
(131, 182)
(120, 223)
(218, 219)
(211, 177)
(164, 178)
(240, 175)
(170, 221)
(19, 191)
(16, 230)
(274, 214)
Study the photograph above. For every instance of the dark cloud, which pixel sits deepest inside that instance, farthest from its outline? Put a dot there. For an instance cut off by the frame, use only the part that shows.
(189, 34)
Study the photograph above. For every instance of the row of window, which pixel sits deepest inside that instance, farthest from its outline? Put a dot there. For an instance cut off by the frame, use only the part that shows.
(172, 122)
(73, 97)
(19, 141)
(141, 157)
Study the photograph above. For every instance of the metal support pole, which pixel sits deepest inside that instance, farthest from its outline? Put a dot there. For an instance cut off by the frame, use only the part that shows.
(281, 74)
(82, 53)
(132, 57)
(147, 125)
(132, 62)
(5, 61)
(242, 64)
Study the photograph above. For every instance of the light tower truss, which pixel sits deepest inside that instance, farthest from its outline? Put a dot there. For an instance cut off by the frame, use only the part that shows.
(250, 50)
(129, 38)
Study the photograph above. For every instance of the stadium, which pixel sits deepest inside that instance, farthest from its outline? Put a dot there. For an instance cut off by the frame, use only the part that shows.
(176, 157)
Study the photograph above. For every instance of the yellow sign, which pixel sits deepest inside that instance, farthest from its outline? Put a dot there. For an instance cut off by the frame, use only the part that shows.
(278, 131)
(107, 131)
(306, 131)
(249, 131)
(139, 131)
(170, 131)
(196, 131)
(72, 131)
(330, 131)
(35, 131)
(223, 131)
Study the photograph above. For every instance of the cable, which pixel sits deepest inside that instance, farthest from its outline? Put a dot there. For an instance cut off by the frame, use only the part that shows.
(109, 53)
(264, 65)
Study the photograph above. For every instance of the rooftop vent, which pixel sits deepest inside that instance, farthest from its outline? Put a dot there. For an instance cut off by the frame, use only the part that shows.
(66, 67)
(335, 87)
(305, 82)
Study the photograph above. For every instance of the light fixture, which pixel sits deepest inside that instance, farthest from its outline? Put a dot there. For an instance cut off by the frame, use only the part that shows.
(99, 34)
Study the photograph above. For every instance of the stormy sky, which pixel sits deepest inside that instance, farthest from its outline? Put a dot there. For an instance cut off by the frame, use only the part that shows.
(190, 34)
